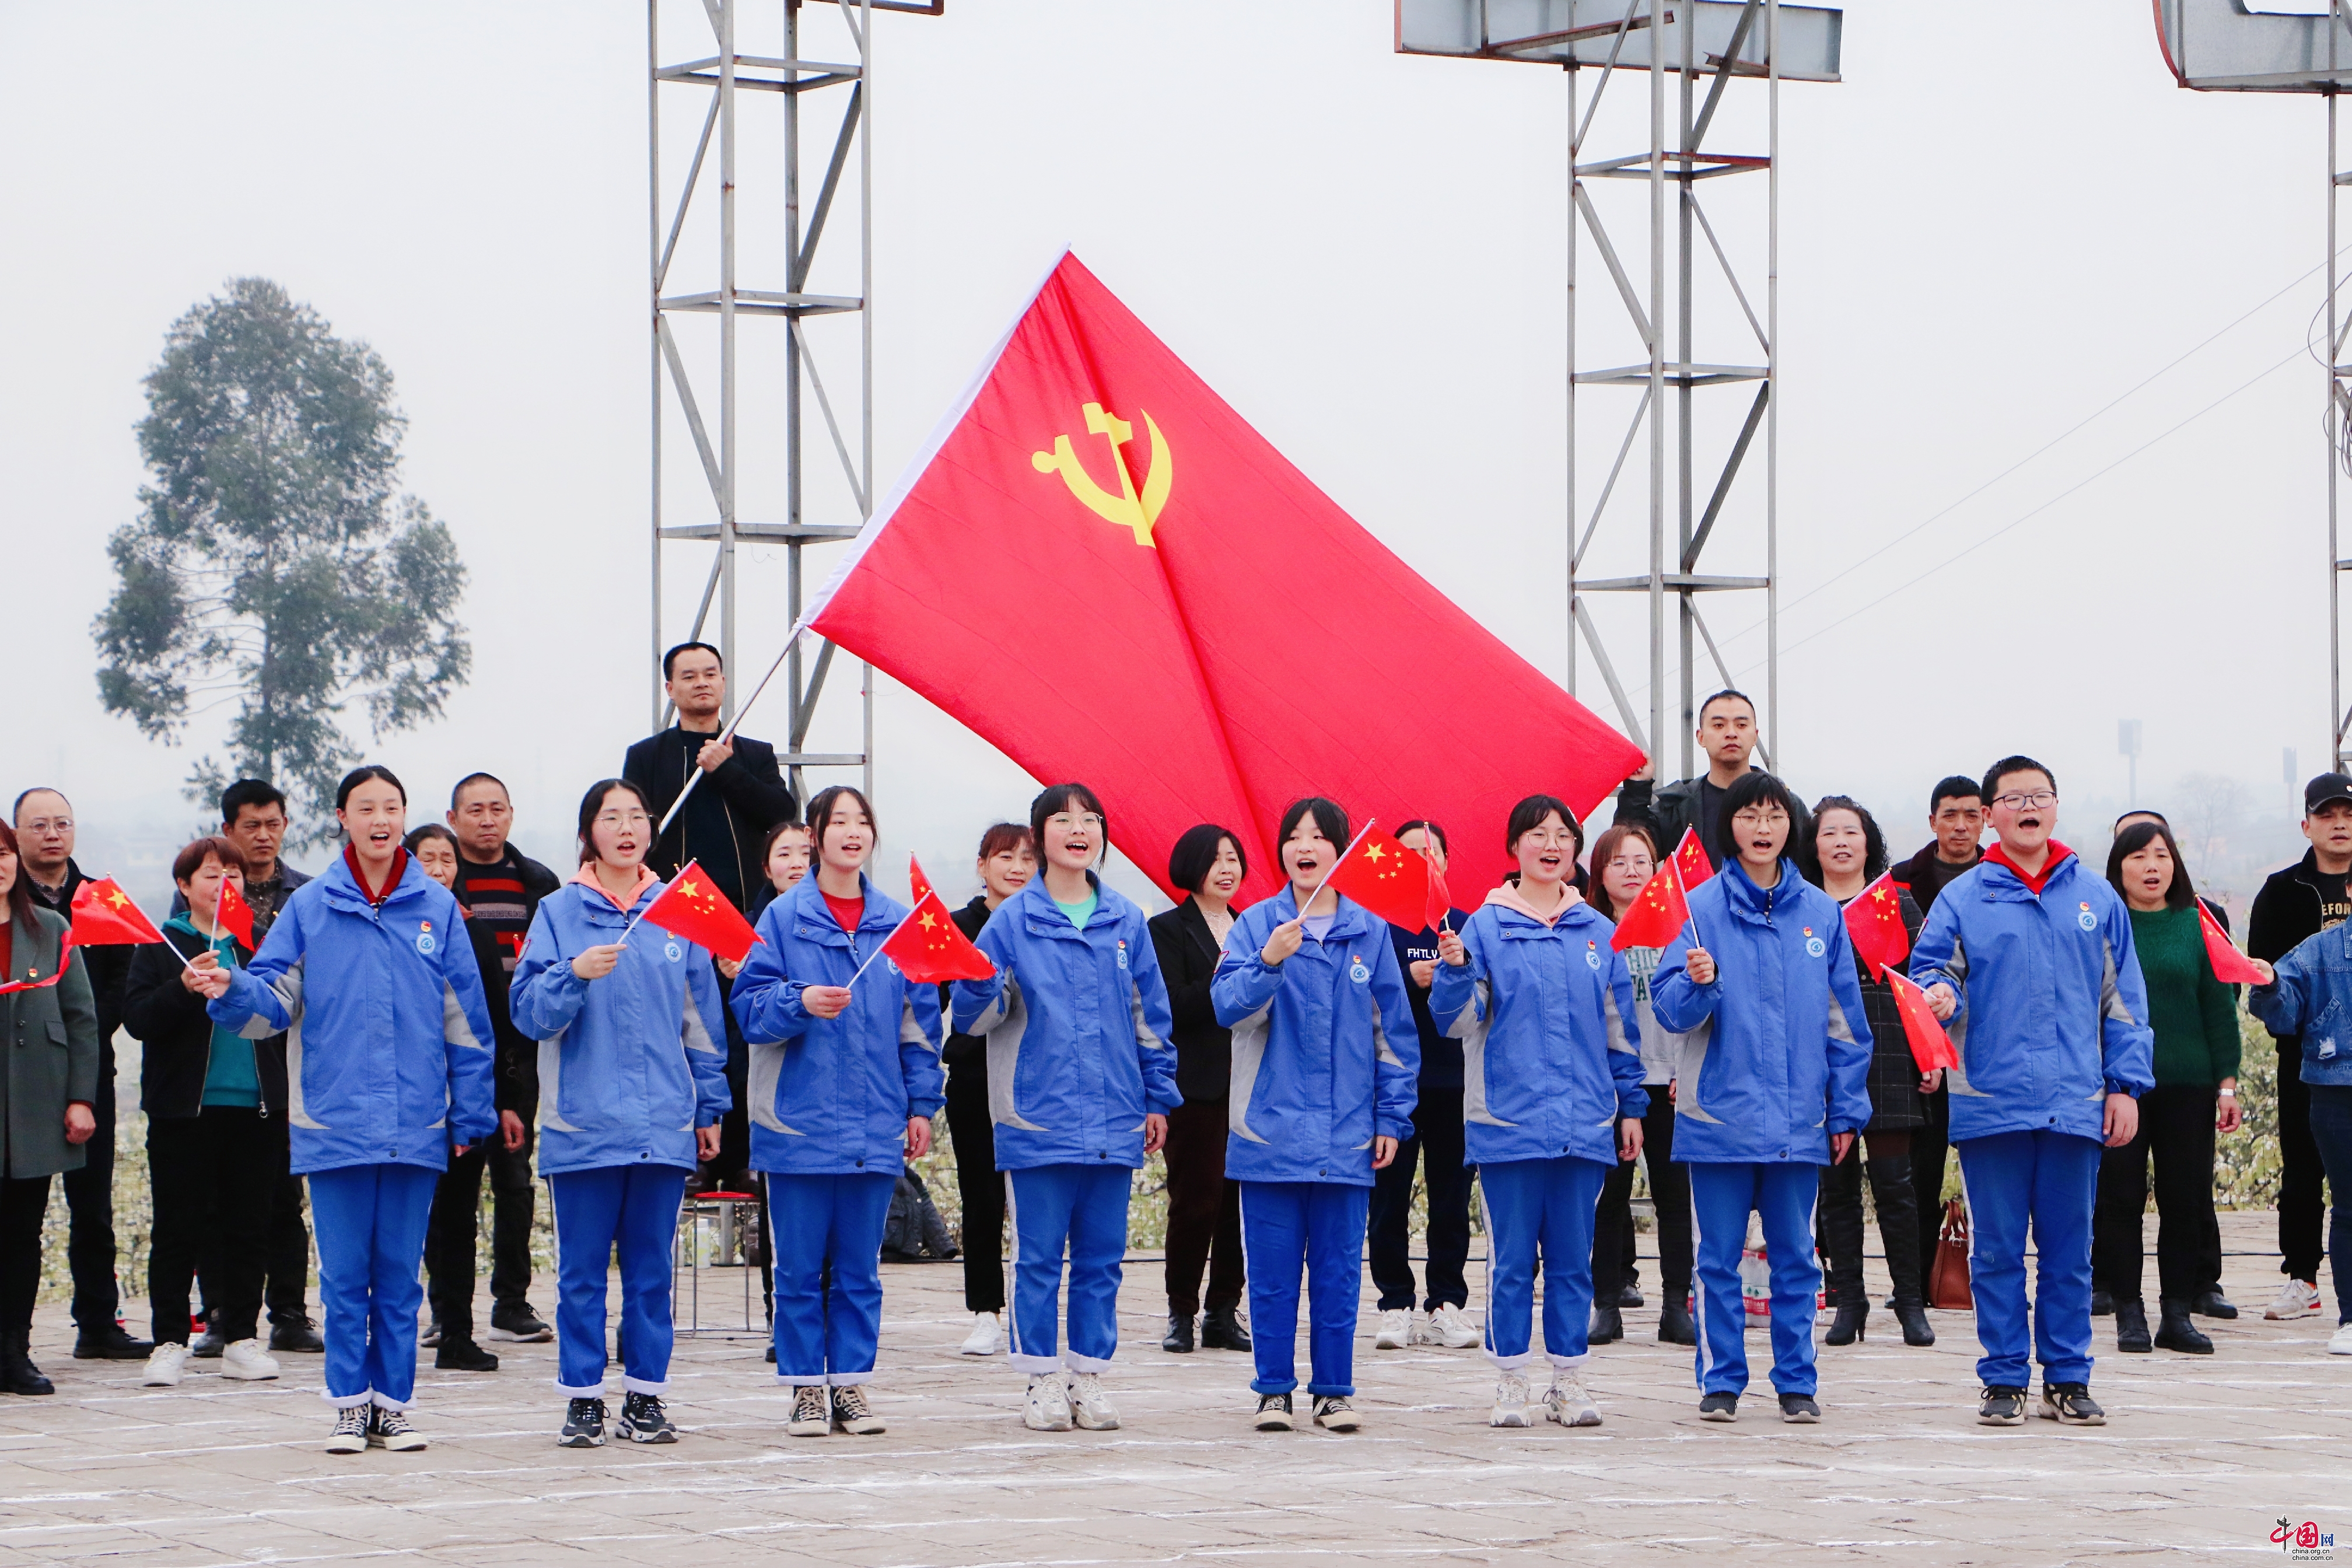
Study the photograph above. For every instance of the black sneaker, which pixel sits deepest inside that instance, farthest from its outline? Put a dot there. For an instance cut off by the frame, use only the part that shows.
(1334, 1414)
(462, 1356)
(389, 1428)
(2071, 1404)
(110, 1342)
(520, 1323)
(208, 1345)
(297, 1336)
(1798, 1409)
(2001, 1406)
(584, 1425)
(351, 1432)
(1719, 1408)
(1273, 1413)
(643, 1420)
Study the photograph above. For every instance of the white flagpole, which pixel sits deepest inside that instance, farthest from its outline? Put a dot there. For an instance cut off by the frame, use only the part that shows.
(1342, 860)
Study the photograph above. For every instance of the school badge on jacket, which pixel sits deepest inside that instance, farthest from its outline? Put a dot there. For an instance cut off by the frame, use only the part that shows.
(2086, 918)
(1814, 946)
(425, 936)
(1357, 972)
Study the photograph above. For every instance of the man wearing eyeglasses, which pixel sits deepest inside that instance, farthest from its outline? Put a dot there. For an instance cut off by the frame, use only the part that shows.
(2027, 958)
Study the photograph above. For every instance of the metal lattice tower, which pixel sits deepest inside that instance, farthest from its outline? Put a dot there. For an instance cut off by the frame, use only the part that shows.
(792, 212)
(2219, 46)
(1689, 53)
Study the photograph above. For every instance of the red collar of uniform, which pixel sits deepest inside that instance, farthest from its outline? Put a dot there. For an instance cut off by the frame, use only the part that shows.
(2059, 855)
(359, 878)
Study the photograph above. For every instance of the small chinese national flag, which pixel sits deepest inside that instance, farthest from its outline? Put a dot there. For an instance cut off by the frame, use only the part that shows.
(1659, 911)
(2230, 966)
(691, 908)
(1930, 1047)
(1439, 906)
(927, 947)
(104, 916)
(1386, 878)
(232, 914)
(1690, 859)
(1875, 917)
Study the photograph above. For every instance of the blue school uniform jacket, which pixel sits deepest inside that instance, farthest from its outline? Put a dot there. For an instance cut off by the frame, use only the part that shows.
(1326, 1054)
(1776, 1054)
(2053, 1014)
(831, 1097)
(1077, 1029)
(1551, 1056)
(388, 1042)
(630, 1065)
(2312, 997)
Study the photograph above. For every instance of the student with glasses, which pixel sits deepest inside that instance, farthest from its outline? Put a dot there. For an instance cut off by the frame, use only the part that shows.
(1081, 1078)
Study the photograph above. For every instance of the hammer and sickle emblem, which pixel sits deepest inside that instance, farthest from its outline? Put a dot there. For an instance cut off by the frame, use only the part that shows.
(1128, 509)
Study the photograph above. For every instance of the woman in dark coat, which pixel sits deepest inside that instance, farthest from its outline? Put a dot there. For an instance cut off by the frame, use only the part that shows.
(46, 1093)
(1841, 854)
(1204, 1213)
(1008, 859)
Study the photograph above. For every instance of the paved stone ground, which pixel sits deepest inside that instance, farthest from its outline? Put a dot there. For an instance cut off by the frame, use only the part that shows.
(2202, 1457)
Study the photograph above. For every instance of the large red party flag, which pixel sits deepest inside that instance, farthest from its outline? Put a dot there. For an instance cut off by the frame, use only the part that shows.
(105, 915)
(1930, 1047)
(1875, 917)
(2230, 966)
(1690, 859)
(928, 948)
(1659, 911)
(1103, 570)
(691, 908)
(233, 914)
(1385, 877)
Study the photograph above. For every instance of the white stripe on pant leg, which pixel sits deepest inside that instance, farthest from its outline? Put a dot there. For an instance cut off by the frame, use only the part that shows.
(1012, 1274)
(1507, 1364)
(1698, 1285)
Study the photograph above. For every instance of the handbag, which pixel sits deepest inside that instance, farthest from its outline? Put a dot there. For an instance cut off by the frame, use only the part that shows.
(1948, 1280)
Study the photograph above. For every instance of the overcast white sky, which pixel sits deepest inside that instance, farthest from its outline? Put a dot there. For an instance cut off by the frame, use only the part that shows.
(2004, 217)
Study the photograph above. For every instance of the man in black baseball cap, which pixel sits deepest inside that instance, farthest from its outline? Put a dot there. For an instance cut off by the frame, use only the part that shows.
(2299, 902)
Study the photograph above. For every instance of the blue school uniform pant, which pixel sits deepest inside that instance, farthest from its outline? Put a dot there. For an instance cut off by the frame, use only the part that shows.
(1080, 1209)
(827, 1233)
(1539, 1208)
(370, 1222)
(1319, 1226)
(632, 1207)
(2047, 1182)
(1723, 1194)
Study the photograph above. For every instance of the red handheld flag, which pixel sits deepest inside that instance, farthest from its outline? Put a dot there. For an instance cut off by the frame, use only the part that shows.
(928, 948)
(918, 881)
(691, 908)
(1385, 877)
(1440, 904)
(104, 916)
(1690, 859)
(1930, 1047)
(2230, 966)
(233, 914)
(1874, 917)
(1659, 911)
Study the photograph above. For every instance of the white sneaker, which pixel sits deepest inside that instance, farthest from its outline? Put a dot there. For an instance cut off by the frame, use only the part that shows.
(1396, 1330)
(1049, 1403)
(2341, 1343)
(245, 1359)
(164, 1363)
(987, 1336)
(1089, 1406)
(1452, 1327)
(2296, 1298)
(1568, 1401)
(1511, 1401)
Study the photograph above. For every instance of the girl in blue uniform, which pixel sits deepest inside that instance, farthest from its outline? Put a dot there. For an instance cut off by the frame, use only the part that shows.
(845, 1080)
(1552, 1087)
(1081, 1078)
(1326, 1061)
(633, 1081)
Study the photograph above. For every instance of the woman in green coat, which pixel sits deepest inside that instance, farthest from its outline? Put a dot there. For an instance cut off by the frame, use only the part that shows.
(45, 1094)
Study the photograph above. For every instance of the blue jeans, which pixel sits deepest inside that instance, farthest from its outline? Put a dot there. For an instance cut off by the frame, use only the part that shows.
(370, 1221)
(1539, 1206)
(636, 1207)
(2331, 1128)
(1319, 1226)
(2047, 1182)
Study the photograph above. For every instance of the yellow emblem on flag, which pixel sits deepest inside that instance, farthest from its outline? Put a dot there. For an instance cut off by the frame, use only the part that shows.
(1131, 509)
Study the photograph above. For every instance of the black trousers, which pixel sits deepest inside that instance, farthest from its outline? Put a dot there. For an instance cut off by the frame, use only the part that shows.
(1929, 1143)
(2301, 1197)
(1436, 1142)
(216, 1178)
(1885, 1159)
(1205, 1211)
(2176, 1129)
(455, 1221)
(23, 1200)
(90, 1204)
(1612, 1225)
(979, 1187)
(288, 1292)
